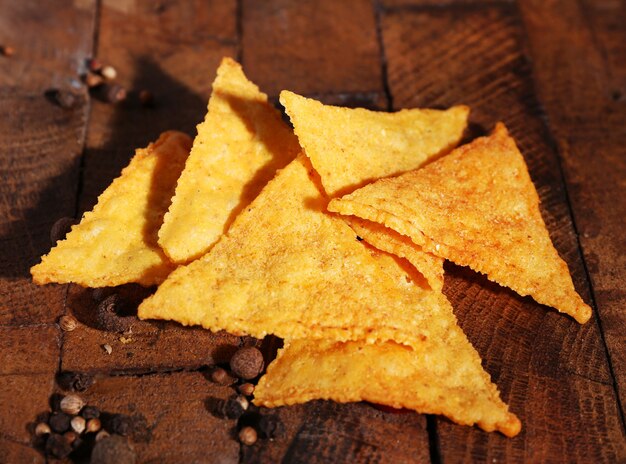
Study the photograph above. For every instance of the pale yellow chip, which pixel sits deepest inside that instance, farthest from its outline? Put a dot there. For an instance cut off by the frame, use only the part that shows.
(479, 208)
(287, 268)
(116, 243)
(239, 147)
(390, 241)
(435, 376)
(350, 147)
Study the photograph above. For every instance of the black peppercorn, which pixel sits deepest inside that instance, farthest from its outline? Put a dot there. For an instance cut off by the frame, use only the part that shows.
(75, 381)
(65, 98)
(57, 446)
(120, 424)
(269, 426)
(60, 422)
(228, 409)
(247, 362)
(90, 412)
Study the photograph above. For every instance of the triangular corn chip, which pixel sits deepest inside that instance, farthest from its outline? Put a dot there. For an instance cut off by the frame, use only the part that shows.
(116, 243)
(350, 147)
(288, 268)
(479, 208)
(239, 147)
(390, 241)
(440, 375)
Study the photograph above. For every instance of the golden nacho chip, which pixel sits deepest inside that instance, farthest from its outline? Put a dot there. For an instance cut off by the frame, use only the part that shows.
(389, 241)
(479, 208)
(435, 376)
(288, 268)
(239, 147)
(350, 147)
(116, 242)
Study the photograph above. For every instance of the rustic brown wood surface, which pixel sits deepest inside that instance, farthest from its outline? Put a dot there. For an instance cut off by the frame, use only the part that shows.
(554, 71)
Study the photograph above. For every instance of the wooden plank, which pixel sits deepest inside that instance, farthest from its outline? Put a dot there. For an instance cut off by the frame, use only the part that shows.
(172, 51)
(153, 346)
(323, 431)
(175, 408)
(51, 40)
(314, 48)
(40, 147)
(580, 74)
(552, 371)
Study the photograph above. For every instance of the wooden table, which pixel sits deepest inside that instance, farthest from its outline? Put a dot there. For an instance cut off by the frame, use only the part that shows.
(553, 70)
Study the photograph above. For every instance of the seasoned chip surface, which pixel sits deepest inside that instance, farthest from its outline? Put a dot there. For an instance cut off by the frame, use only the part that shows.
(390, 241)
(439, 375)
(288, 268)
(479, 208)
(239, 147)
(350, 147)
(116, 243)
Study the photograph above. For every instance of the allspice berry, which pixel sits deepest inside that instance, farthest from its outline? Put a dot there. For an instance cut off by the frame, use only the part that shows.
(68, 323)
(221, 377)
(72, 404)
(247, 363)
(42, 429)
(78, 424)
(246, 389)
(248, 436)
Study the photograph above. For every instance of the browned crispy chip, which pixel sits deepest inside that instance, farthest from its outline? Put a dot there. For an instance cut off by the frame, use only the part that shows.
(116, 243)
(239, 147)
(350, 147)
(288, 268)
(439, 375)
(479, 208)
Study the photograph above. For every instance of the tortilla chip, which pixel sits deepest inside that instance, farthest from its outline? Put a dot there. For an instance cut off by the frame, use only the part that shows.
(351, 147)
(437, 376)
(239, 147)
(286, 267)
(479, 208)
(389, 241)
(116, 242)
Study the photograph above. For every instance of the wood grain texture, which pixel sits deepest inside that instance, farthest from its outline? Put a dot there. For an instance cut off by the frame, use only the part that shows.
(51, 41)
(39, 157)
(475, 56)
(171, 50)
(175, 408)
(40, 145)
(581, 78)
(554, 373)
(313, 48)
